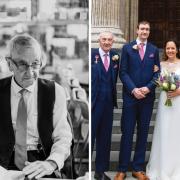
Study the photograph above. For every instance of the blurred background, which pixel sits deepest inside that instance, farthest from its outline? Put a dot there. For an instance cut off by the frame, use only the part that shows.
(61, 27)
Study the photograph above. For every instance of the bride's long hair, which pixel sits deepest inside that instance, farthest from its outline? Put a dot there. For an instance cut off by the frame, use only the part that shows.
(164, 56)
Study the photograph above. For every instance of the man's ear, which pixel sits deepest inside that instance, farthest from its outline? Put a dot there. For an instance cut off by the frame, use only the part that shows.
(10, 65)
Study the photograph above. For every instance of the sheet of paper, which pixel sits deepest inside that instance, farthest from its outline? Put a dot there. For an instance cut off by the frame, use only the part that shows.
(10, 174)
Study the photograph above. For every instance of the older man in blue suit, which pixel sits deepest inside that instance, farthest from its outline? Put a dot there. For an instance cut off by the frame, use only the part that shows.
(139, 69)
(105, 66)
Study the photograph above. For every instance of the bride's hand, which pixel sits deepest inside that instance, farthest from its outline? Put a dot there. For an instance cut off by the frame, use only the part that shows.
(171, 94)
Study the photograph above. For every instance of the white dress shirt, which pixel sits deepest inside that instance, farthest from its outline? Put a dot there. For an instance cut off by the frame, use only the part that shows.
(102, 54)
(61, 135)
(145, 44)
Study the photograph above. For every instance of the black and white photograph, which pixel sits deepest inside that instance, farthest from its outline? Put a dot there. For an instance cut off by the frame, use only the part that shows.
(44, 89)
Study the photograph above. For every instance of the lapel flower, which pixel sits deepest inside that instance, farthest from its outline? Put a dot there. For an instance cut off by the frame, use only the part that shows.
(156, 68)
(136, 47)
(97, 58)
(115, 57)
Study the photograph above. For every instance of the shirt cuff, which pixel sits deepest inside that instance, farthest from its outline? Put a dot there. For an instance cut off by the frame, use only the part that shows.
(59, 160)
(132, 92)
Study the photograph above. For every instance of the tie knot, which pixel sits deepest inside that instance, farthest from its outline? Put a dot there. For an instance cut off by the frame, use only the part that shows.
(141, 44)
(106, 55)
(22, 91)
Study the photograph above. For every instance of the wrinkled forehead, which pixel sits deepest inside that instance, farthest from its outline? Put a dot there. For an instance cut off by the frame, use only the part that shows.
(106, 35)
(23, 52)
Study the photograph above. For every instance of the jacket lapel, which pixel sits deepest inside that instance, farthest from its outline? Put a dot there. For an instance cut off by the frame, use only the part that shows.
(136, 53)
(146, 53)
(112, 68)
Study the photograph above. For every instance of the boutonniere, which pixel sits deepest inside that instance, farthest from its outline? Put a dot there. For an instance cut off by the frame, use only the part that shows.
(97, 58)
(156, 68)
(136, 47)
(115, 57)
(151, 55)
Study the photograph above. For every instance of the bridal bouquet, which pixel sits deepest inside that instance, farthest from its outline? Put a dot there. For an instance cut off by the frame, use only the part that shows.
(168, 81)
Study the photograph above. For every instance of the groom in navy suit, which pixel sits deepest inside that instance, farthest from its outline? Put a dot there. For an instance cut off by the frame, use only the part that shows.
(139, 68)
(105, 66)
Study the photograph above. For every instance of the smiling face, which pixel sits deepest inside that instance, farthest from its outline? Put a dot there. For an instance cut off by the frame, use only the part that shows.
(106, 40)
(171, 50)
(143, 32)
(23, 57)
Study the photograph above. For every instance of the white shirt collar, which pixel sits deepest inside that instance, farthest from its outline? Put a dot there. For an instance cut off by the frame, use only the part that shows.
(138, 41)
(101, 52)
(16, 88)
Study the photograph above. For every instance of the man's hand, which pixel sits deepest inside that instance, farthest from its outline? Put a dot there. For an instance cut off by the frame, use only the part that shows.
(39, 169)
(138, 93)
(144, 90)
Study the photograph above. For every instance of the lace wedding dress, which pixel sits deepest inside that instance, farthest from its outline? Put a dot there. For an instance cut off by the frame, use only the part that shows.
(164, 162)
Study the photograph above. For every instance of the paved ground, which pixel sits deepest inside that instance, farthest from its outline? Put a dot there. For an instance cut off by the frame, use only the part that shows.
(112, 174)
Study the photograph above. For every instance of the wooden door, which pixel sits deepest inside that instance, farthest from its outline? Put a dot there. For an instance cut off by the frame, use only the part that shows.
(164, 16)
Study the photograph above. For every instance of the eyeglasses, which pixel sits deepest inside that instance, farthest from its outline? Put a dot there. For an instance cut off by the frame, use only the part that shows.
(24, 66)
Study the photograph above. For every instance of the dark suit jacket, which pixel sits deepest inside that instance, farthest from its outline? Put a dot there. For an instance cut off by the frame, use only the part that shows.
(45, 114)
(96, 74)
(135, 72)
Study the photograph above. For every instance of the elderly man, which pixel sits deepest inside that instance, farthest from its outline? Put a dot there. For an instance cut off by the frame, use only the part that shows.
(105, 66)
(35, 136)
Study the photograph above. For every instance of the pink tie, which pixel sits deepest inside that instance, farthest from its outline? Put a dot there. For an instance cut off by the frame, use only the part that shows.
(106, 63)
(141, 51)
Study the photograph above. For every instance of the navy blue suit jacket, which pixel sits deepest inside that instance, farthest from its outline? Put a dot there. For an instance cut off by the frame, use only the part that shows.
(96, 74)
(135, 72)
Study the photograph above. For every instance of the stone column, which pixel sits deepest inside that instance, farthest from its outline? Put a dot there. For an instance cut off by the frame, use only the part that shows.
(105, 16)
(129, 19)
(133, 19)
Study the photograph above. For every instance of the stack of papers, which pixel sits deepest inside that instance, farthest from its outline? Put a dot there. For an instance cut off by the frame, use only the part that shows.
(10, 174)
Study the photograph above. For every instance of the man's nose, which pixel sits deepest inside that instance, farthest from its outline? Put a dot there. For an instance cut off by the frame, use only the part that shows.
(29, 71)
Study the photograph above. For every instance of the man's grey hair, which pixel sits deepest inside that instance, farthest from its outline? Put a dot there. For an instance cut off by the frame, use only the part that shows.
(106, 32)
(24, 41)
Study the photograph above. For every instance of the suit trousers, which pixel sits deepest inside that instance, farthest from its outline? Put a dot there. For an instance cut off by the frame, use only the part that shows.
(138, 113)
(101, 129)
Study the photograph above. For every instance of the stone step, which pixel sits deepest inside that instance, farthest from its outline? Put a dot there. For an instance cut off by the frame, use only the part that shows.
(118, 123)
(115, 142)
(114, 156)
(117, 130)
(118, 112)
(120, 103)
(117, 137)
(116, 145)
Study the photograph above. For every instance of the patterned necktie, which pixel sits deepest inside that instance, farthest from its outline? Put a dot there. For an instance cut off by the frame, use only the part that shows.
(21, 131)
(106, 63)
(141, 51)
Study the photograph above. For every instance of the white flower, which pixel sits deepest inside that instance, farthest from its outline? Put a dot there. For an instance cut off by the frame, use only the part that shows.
(115, 57)
(136, 47)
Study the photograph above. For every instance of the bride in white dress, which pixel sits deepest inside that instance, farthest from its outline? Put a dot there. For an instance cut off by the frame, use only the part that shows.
(164, 162)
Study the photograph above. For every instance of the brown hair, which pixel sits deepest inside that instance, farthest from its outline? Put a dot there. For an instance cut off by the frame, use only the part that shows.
(143, 22)
(164, 56)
